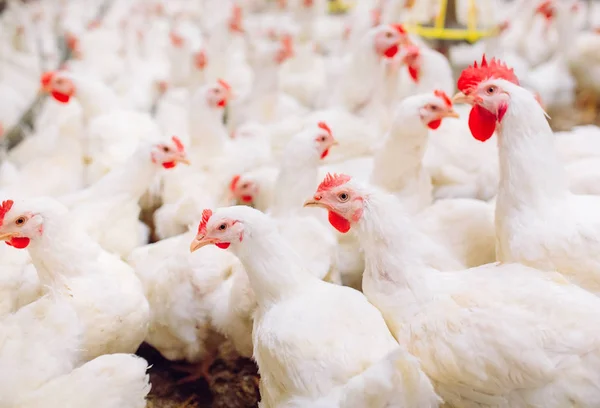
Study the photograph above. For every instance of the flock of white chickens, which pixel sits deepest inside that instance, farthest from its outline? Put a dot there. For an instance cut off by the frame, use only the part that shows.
(321, 198)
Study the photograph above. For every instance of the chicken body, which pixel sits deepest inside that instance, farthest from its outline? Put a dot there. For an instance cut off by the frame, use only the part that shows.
(539, 222)
(483, 317)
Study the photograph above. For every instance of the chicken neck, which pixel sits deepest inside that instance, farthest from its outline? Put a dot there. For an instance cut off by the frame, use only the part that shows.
(398, 164)
(207, 131)
(62, 252)
(274, 269)
(397, 258)
(131, 179)
(531, 174)
(297, 178)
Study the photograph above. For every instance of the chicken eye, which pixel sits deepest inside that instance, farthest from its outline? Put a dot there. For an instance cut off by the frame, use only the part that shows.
(165, 149)
(322, 138)
(343, 196)
(490, 89)
(245, 185)
(388, 34)
(222, 227)
(433, 108)
(20, 221)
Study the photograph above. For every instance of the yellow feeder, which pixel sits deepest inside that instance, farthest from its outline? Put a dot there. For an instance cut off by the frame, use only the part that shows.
(338, 6)
(440, 32)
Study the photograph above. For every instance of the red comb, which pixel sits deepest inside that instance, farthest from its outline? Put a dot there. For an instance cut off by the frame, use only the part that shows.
(206, 214)
(236, 12)
(472, 76)
(441, 94)
(178, 144)
(288, 43)
(399, 27)
(224, 84)
(333, 180)
(235, 24)
(324, 126)
(200, 60)
(4, 208)
(234, 181)
(176, 39)
(46, 78)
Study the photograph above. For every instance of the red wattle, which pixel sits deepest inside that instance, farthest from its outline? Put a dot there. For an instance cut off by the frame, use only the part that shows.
(434, 124)
(482, 123)
(414, 73)
(324, 154)
(19, 242)
(169, 165)
(223, 245)
(247, 198)
(61, 97)
(502, 111)
(338, 222)
(391, 52)
(222, 103)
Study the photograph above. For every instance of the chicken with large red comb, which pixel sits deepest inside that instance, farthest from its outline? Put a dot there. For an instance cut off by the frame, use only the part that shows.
(533, 183)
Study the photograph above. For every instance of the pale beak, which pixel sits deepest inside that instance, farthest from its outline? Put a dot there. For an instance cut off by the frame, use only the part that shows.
(462, 98)
(7, 236)
(451, 114)
(183, 160)
(311, 202)
(199, 242)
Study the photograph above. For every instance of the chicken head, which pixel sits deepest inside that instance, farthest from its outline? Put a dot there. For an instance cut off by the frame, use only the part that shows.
(58, 84)
(483, 87)
(437, 107)
(285, 50)
(18, 227)
(221, 231)
(342, 200)
(219, 94)
(236, 20)
(200, 60)
(388, 38)
(324, 139)
(411, 57)
(169, 154)
(242, 189)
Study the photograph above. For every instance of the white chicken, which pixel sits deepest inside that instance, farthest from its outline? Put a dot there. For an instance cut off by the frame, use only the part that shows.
(113, 200)
(40, 351)
(297, 360)
(539, 222)
(483, 318)
(104, 291)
